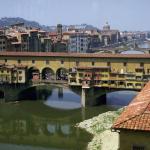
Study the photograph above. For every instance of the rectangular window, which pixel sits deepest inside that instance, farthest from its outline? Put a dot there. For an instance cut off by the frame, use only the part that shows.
(20, 72)
(47, 62)
(20, 78)
(141, 64)
(62, 62)
(33, 61)
(138, 148)
(124, 64)
(77, 63)
(5, 60)
(108, 64)
(93, 63)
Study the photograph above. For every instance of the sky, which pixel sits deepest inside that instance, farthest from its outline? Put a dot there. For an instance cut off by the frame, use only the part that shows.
(120, 14)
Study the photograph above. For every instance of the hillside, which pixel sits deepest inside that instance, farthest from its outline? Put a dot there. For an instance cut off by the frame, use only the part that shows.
(6, 22)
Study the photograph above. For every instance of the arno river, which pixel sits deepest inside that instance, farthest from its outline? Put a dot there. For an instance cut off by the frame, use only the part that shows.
(49, 124)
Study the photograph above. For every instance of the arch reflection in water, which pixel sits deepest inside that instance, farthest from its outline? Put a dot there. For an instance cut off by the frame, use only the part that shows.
(57, 128)
(64, 99)
(120, 98)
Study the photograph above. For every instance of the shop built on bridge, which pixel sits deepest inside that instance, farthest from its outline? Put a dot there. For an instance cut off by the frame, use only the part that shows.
(113, 71)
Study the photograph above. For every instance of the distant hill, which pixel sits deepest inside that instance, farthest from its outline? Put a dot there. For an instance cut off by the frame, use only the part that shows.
(6, 22)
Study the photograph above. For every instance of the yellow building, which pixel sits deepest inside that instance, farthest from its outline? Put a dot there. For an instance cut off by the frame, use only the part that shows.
(133, 124)
(104, 70)
(10, 74)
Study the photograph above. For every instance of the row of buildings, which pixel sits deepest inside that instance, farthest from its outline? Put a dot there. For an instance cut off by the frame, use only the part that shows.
(21, 38)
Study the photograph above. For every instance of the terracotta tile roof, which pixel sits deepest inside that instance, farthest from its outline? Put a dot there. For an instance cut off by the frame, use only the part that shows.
(137, 115)
(73, 55)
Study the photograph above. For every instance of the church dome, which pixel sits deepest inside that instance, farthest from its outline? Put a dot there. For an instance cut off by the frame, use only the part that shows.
(106, 27)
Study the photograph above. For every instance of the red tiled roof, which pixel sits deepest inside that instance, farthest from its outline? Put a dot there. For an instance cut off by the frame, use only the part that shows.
(73, 55)
(137, 115)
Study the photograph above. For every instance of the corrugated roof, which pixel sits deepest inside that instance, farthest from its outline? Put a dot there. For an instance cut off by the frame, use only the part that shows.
(137, 115)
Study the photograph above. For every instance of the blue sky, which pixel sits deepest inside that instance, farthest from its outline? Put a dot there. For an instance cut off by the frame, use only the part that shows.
(121, 14)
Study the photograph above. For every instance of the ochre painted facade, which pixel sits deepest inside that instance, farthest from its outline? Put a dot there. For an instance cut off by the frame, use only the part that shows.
(125, 71)
(130, 139)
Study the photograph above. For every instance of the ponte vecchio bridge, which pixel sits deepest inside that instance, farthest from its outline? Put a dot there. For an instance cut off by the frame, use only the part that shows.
(113, 71)
(109, 70)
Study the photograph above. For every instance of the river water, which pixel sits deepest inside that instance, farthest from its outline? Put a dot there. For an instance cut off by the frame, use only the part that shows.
(142, 45)
(49, 124)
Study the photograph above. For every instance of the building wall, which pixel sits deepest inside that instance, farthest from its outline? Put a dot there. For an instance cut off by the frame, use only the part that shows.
(3, 43)
(78, 43)
(128, 139)
(121, 66)
(116, 64)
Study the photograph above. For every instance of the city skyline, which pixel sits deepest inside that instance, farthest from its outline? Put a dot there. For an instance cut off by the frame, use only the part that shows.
(122, 15)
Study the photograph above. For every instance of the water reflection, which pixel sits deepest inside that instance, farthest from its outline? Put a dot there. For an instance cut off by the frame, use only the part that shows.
(64, 99)
(23, 147)
(32, 123)
(132, 52)
(144, 45)
(20, 125)
(120, 98)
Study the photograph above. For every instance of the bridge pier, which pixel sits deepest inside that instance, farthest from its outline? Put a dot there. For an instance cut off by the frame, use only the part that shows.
(83, 97)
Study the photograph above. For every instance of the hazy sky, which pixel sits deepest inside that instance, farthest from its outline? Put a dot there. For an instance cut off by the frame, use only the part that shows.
(121, 14)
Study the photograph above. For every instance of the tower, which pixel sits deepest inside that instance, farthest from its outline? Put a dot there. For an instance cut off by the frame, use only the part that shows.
(59, 32)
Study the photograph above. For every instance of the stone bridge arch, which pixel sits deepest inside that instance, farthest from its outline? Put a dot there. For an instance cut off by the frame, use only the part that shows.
(97, 95)
(48, 74)
(62, 74)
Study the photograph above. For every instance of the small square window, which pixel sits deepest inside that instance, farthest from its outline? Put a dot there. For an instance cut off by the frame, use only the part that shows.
(62, 62)
(124, 64)
(33, 61)
(19, 61)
